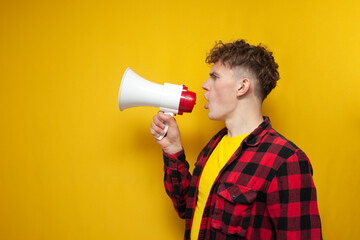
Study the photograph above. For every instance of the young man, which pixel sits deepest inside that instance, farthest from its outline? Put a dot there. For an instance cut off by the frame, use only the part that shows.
(249, 182)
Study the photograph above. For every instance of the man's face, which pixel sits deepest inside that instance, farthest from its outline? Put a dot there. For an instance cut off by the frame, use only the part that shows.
(221, 92)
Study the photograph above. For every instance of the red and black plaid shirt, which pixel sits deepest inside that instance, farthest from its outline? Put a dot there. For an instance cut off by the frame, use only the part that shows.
(265, 190)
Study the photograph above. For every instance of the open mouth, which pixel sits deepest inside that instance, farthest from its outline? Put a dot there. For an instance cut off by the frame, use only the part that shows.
(207, 104)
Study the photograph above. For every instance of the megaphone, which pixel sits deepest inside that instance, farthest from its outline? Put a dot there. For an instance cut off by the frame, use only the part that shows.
(136, 91)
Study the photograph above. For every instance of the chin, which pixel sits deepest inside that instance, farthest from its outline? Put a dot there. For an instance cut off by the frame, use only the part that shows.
(213, 117)
(210, 116)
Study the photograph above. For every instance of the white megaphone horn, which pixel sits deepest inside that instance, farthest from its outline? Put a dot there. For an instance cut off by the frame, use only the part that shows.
(136, 91)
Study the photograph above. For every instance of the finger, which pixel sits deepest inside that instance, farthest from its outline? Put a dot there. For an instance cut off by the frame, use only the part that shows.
(168, 118)
(155, 134)
(158, 121)
(156, 129)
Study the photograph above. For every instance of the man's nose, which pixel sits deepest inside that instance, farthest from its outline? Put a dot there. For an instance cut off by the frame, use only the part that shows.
(205, 85)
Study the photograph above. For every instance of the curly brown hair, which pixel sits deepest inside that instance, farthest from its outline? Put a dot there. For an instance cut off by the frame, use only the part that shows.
(256, 59)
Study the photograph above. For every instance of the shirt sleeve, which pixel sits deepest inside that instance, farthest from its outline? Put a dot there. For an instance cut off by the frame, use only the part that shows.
(177, 180)
(292, 202)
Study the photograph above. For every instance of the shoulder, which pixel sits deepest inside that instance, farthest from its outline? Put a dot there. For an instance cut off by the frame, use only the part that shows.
(287, 147)
(281, 150)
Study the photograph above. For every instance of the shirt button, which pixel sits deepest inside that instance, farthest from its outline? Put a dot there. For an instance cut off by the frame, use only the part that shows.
(233, 197)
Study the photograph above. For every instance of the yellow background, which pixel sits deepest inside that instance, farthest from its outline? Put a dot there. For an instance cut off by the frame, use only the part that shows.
(72, 166)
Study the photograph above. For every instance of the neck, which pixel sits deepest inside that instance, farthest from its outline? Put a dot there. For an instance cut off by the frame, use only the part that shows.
(244, 120)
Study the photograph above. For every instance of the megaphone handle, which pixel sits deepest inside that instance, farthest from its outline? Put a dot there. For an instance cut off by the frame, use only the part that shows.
(166, 127)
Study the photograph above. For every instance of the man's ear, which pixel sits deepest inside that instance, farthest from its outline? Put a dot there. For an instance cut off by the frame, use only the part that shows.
(243, 87)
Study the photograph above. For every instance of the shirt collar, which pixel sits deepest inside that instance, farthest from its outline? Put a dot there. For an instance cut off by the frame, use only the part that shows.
(255, 136)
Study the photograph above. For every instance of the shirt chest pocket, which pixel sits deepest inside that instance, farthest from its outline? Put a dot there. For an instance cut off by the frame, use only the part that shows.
(232, 209)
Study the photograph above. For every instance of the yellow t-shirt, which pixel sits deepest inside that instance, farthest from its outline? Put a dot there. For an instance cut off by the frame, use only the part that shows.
(217, 160)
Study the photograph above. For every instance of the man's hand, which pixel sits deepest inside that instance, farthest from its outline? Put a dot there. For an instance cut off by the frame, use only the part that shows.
(171, 143)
